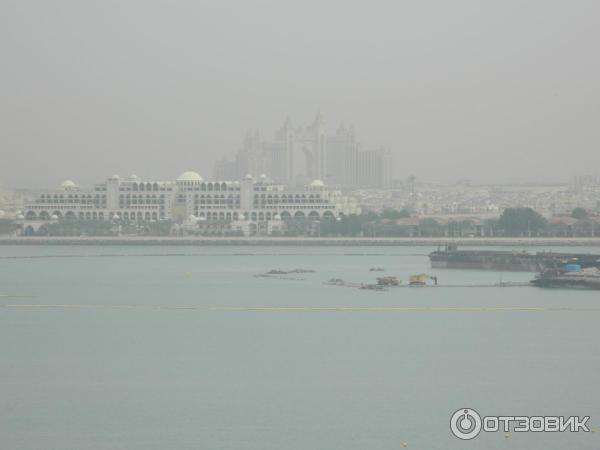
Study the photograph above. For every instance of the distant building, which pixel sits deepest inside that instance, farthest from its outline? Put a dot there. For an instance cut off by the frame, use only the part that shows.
(225, 169)
(296, 155)
(585, 182)
(374, 168)
(189, 198)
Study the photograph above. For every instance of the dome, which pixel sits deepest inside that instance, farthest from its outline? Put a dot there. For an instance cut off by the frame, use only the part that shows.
(276, 217)
(134, 177)
(189, 176)
(68, 184)
(317, 183)
(263, 177)
(248, 177)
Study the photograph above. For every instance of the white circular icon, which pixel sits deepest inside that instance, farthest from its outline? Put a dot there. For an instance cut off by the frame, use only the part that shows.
(465, 423)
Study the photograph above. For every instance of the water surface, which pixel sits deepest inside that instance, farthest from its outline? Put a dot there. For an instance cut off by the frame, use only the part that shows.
(185, 348)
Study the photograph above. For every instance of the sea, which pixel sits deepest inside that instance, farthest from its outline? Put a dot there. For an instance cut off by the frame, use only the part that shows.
(170, 347)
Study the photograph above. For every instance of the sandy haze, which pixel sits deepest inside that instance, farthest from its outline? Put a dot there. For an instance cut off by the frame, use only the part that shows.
(504, 90)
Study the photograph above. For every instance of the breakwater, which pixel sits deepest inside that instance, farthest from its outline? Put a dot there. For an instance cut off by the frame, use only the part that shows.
(302, 241)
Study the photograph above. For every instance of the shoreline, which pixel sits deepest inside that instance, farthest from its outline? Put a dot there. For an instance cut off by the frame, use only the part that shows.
(302, 241)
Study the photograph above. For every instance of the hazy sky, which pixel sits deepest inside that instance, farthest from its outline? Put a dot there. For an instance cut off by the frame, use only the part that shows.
(486, 90)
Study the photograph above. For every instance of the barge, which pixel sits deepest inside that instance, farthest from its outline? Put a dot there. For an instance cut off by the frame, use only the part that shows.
(560, 278)
(510, 261)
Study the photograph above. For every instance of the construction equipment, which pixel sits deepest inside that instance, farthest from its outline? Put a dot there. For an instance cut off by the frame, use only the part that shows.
(421, 280)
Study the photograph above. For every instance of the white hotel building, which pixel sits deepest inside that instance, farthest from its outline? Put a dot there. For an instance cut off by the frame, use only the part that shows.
(248, 204)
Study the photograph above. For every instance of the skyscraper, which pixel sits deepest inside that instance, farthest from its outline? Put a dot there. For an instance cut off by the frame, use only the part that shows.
(298, 155)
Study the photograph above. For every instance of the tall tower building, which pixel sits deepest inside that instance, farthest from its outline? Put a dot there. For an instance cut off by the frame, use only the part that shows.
(298, 155)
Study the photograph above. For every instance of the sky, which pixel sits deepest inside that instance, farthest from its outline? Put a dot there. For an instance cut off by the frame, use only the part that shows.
(497, 91)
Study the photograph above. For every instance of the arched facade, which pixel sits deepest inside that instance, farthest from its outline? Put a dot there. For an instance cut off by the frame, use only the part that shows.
(131, 199)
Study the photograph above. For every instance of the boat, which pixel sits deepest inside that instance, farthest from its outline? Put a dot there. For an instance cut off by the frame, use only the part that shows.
(570, 277)
(505, 260)
(376, 269)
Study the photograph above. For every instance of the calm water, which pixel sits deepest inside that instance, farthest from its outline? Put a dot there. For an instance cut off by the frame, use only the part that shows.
(134, 359)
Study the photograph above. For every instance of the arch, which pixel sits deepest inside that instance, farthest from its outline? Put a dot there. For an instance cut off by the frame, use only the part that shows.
(253, 215)
(57, 214)
(70, 215)
(285, 215)
(328, 214)
(44, 215)
(235, 216)
(81, 215)
(154, 216)
(314, 215)
(261, 216)
(147, 216)
(299, 215)
(30, 215)
(28, 231)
